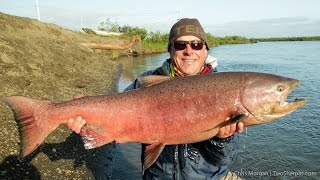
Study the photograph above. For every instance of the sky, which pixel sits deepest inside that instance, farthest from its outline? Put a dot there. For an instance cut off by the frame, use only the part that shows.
(248, 18)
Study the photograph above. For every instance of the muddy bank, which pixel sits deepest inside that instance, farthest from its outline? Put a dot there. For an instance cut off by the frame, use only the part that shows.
(46, 61)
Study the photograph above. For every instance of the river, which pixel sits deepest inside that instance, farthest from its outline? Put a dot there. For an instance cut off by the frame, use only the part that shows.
(286, 149)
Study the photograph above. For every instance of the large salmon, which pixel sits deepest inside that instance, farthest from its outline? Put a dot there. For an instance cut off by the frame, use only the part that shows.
(164, 111)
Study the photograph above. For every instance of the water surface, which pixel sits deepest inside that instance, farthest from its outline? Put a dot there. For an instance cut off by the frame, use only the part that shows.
(286, 149)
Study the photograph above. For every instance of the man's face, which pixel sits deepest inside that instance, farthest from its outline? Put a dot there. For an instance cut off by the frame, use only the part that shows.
(188, 60)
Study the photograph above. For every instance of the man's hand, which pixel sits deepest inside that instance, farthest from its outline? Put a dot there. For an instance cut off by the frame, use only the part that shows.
(229, 130)
(76, 124)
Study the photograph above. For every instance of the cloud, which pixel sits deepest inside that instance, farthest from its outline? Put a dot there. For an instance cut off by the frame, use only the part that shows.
(75, 19)
(276, 27)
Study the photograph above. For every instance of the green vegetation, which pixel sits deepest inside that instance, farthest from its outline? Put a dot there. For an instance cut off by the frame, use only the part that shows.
(156, 42)
(216, 41)
(114, 54)
(309, 38)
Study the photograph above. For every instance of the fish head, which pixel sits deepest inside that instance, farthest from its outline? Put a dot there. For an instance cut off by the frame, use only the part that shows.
(265, 97)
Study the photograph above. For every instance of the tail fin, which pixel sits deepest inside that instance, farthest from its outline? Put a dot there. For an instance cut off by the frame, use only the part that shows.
(33, 128)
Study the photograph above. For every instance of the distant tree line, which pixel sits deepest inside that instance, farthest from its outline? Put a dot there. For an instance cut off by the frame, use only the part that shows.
(109, 26)
(308, 38)
(216, 41)
(157, 41)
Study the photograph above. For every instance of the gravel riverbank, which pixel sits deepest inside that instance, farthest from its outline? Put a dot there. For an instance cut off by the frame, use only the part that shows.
(45, 61)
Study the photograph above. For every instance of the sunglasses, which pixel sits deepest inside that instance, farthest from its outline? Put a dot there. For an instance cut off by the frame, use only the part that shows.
(181, 45)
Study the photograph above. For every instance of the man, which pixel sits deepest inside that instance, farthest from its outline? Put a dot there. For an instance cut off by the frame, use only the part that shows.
(188, 50)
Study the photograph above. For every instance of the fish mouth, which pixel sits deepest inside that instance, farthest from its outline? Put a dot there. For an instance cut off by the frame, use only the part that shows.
(286, 106)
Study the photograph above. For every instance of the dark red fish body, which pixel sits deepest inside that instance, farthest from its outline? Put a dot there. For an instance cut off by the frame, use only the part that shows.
(168, 111)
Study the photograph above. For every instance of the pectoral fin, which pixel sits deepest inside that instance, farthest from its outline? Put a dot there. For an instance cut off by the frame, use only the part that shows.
(234, 119)
(152, 152)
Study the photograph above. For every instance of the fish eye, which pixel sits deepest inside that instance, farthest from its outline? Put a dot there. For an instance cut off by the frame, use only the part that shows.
(280, 88)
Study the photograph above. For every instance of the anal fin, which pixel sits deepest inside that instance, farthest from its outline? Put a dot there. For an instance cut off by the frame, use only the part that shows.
(152, 153)
(93, 139)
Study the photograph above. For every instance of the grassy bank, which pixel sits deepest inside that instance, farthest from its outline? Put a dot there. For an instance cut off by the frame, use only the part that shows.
(156, 42)
(45, 61)
(151, 45)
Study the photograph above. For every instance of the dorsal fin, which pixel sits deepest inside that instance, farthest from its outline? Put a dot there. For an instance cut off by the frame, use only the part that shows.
(147, 81)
